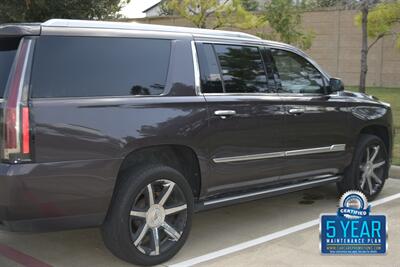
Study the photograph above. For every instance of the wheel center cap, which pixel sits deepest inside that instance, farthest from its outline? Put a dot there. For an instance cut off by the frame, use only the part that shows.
(155, 216)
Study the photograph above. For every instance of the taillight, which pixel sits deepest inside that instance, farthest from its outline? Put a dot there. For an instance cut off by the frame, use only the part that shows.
(16, 133)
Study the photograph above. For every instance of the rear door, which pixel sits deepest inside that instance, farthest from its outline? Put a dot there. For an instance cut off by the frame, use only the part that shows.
(315, 129)
(245, 117)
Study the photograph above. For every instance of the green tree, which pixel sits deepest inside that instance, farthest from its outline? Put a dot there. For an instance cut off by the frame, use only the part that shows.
(215, 14)
(284, 18)
(250, 5)
(42, 10)
(376, 21)
(165, 10)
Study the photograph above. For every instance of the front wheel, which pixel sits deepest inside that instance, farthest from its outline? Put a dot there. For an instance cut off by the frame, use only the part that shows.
(369, 168)
(150, 217)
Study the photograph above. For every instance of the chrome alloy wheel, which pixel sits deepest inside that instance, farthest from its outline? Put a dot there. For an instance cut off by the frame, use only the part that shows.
(372, 169)
(158, 217)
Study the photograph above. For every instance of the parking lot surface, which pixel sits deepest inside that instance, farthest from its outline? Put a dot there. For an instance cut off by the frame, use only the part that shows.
(216, 232)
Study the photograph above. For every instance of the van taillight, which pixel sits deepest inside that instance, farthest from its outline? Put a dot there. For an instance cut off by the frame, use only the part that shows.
(16, 132)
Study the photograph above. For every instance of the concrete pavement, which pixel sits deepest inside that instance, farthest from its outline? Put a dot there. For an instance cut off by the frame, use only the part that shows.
(221, 228)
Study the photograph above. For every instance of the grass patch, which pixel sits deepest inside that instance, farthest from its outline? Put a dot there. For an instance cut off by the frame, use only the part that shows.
(392, 96)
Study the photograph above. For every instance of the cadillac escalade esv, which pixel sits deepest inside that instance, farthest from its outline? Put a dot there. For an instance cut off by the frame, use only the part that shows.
(134, 127)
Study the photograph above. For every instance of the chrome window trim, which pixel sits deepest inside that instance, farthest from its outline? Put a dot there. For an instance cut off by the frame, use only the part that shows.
(196, 68)
(290, 153)
(272, 95)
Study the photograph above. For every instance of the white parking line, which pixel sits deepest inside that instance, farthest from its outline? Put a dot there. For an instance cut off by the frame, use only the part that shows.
(264, 239)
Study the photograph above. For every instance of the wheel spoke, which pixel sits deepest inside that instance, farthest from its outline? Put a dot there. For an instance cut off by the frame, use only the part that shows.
(367, 153)
(156, 241)
(377, 165)
(375, 153)
(140, 214)
(171, 231)
(138, 240)
(370, 185)
(376, 178)
(150, 194)
(164, 198)
(363, 180)
(175, 209)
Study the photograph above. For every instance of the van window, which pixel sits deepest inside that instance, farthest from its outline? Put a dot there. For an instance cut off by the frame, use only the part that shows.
(96, 66)
(296, 74)
(211, 81)
(242, 69)
(8, 49)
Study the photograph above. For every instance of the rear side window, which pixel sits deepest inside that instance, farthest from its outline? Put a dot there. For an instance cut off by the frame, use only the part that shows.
(95, 66)
(8, 49)
(211, 81)
(242, 69)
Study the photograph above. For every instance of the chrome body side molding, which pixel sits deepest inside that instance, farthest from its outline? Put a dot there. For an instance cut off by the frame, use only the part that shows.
(326, 149)
(250, 157)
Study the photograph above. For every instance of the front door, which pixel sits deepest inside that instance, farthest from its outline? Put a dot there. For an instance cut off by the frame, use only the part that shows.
(245, 118)
(316, 130)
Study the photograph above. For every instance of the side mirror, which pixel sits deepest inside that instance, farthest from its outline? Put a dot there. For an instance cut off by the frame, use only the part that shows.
(335, 85)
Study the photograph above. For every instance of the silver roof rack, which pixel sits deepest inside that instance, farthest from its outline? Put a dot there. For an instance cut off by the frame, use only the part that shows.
(143, 27)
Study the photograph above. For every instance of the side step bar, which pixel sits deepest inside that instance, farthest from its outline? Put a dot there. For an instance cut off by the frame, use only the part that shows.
(219, 202)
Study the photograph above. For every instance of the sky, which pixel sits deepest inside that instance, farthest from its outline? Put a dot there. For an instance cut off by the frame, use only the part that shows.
(135, 7)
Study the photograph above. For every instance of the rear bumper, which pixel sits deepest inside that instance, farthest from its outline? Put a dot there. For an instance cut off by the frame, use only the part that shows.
(55, 196)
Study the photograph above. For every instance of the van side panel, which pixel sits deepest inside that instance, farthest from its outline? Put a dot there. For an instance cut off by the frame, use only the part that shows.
(80, 142)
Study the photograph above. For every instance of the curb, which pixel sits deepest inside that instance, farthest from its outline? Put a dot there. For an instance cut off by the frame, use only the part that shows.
(394, 172)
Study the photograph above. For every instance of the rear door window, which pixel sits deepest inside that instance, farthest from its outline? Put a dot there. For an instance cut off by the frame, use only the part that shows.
(211, 81)
(242, 69)
(97, 66)
(8, 49)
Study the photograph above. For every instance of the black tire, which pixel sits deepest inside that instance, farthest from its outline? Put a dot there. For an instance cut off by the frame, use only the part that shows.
(358, 175)
(123, 227)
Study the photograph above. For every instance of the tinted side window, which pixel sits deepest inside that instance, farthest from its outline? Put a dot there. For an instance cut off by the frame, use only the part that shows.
(296, 74)
(242, 69)
(8, 49)
(93, 66)
(211, 81)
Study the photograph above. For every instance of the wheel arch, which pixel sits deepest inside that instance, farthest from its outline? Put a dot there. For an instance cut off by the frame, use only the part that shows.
(180, 157)
(379, 131)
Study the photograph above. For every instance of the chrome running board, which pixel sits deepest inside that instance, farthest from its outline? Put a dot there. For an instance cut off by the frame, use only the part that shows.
(271, 191)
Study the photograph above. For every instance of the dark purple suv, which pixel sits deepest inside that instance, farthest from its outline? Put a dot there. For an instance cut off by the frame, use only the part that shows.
(134, 127)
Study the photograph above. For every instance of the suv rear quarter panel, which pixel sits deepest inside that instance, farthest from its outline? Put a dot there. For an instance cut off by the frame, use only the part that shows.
(79, 144)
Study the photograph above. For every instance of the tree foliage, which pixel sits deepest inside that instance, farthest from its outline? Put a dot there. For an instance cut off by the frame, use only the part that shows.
(250, 5)
(42, 10)
(382, 20)
(165, 9)
(377, 19)
(285, 20)
(214, 13)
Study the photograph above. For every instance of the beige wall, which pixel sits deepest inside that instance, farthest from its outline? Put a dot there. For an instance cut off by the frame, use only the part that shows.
(336, 47)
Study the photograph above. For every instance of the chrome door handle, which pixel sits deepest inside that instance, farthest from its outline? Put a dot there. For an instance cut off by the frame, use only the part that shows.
(224, 113)
(296, 111)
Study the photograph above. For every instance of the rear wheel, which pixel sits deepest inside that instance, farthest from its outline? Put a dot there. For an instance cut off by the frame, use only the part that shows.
(369, 168)
(150, 217)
